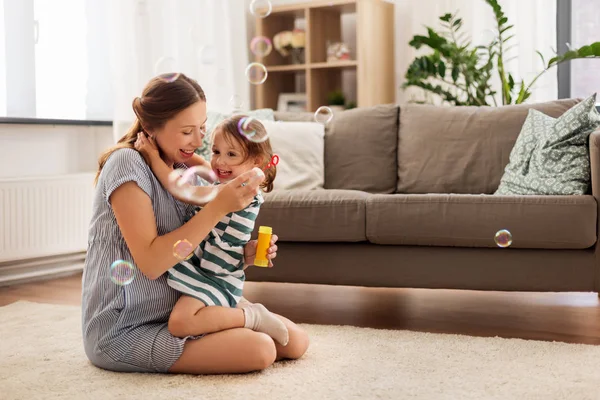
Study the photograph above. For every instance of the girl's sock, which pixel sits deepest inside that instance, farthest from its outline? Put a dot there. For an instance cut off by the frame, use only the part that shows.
(259, 319)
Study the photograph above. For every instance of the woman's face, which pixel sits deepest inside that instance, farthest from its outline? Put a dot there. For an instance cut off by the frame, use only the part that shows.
(182, 134)
(227, 159)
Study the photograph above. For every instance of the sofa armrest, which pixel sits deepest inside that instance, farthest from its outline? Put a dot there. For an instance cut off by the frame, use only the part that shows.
(595, 163)
(595, 170)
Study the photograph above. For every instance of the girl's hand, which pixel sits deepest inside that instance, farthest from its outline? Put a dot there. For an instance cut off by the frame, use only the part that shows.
(147, 147)
(250, 252)
(239, 193)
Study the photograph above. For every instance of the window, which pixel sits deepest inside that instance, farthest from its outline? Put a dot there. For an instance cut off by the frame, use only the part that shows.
(578, 25)
(585, 29)
(54, 59)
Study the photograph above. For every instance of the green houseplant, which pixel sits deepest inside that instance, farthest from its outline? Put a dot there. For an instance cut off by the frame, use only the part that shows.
(461, 73)
(336, 100)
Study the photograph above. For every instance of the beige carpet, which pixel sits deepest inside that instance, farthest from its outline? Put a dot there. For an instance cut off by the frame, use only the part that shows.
(41, 357)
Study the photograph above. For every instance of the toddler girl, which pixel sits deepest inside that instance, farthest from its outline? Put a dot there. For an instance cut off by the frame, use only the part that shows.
(211, 279)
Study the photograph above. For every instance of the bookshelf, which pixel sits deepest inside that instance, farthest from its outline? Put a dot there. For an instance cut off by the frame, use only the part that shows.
(370, 71)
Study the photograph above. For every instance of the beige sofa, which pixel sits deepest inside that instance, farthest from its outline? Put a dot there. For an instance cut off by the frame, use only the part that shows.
(408, 203)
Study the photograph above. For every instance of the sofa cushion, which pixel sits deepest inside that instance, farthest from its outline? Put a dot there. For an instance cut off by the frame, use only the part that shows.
(460, 149)
(315, 215)
(551, 155)
(300, 148)
(535, 222)
(360, 148)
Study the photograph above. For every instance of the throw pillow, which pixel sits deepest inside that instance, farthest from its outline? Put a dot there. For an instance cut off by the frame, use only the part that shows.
(551, 156)
(300, 147)
(214, 118)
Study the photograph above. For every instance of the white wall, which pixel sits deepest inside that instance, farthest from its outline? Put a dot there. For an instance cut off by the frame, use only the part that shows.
(46, 150)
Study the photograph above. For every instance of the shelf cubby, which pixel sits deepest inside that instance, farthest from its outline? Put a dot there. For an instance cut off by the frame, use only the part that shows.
(368, 76)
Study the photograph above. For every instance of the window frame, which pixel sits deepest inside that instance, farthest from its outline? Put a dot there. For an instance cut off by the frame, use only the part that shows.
(563, 36)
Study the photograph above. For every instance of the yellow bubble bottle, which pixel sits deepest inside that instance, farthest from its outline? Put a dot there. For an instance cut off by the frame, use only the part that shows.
(264, 239)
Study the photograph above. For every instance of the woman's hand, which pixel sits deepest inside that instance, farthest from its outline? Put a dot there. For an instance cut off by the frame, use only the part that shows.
(250, 252)
(147, 147)
(238, 193)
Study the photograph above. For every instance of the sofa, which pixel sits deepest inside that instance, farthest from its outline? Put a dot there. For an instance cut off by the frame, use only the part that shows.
(408, 201)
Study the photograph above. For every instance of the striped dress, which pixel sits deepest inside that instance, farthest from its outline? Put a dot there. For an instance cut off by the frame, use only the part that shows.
(125, 327)
(215, 272)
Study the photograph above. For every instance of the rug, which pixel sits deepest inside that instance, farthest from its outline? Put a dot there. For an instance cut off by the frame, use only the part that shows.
(41, 357)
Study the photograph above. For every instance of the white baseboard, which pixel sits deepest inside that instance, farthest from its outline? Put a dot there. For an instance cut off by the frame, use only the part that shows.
(40, 268)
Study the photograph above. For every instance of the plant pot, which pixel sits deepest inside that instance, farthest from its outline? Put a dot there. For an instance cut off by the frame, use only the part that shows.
(297, 55)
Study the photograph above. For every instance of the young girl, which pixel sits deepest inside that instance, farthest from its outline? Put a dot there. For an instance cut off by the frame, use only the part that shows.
(212, 278)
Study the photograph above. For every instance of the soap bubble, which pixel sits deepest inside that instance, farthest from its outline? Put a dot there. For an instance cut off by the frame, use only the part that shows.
(245, 129)
(323, 115)
(236, 102)
(122, 272)
(183, 250)
(256, 73)
(261, 8)
(503, 238)
(194, 184)
(207, 54)
(164, 69)
(261, 46)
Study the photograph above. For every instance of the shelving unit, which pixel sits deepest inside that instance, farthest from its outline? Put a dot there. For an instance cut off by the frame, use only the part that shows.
(371, 69)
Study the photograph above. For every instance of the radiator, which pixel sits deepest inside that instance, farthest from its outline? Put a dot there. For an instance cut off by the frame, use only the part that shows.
(44, 216)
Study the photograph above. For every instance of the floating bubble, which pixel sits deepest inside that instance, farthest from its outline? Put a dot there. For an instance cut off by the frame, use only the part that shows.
(122, 272)
(503, 238)
(165, 69)
(323, 115)
(236, 102)
(261, 46)
(207, 54)
(183, 249)
(256, 73)
(194, 184)
(261, 8)
(245, 129)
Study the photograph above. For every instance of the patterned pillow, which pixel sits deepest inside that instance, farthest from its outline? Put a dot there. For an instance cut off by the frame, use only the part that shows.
(215, 118)
(551, 156)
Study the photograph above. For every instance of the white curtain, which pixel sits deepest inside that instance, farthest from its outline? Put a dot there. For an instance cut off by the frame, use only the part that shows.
(534, 26)
(205, 39)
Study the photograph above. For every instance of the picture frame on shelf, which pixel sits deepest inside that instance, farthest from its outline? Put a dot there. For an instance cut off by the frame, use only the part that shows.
(292, 102)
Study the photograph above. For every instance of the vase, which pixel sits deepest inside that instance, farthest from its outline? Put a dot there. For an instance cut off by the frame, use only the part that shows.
(297, 55)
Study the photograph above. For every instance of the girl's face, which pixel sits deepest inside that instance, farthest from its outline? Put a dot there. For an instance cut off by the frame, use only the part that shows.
(182, 134)
(228, 158)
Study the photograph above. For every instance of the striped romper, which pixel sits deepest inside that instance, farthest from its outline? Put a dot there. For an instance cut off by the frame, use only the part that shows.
(214, 274)
(125, 327)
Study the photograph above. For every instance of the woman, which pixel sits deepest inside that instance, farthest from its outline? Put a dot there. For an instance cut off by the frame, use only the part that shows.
(136, 220)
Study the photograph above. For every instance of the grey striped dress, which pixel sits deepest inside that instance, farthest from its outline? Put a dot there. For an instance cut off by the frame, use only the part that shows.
(125, 327)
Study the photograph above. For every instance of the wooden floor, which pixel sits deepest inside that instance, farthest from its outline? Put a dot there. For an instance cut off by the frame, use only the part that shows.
(567, 317)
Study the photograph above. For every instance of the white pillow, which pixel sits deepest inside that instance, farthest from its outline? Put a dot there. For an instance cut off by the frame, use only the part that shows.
(301, 150)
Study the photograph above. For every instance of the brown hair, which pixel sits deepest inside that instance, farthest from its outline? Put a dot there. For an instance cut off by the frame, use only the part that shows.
(252, 149)
(161, 100)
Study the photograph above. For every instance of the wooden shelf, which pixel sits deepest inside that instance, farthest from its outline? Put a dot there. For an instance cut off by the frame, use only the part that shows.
(302, 67)
(291, 67)
(368, 79)
(334, 64)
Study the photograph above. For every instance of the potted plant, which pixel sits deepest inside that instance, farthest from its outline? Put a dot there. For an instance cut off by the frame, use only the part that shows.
(461, 73)
(336, 100)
